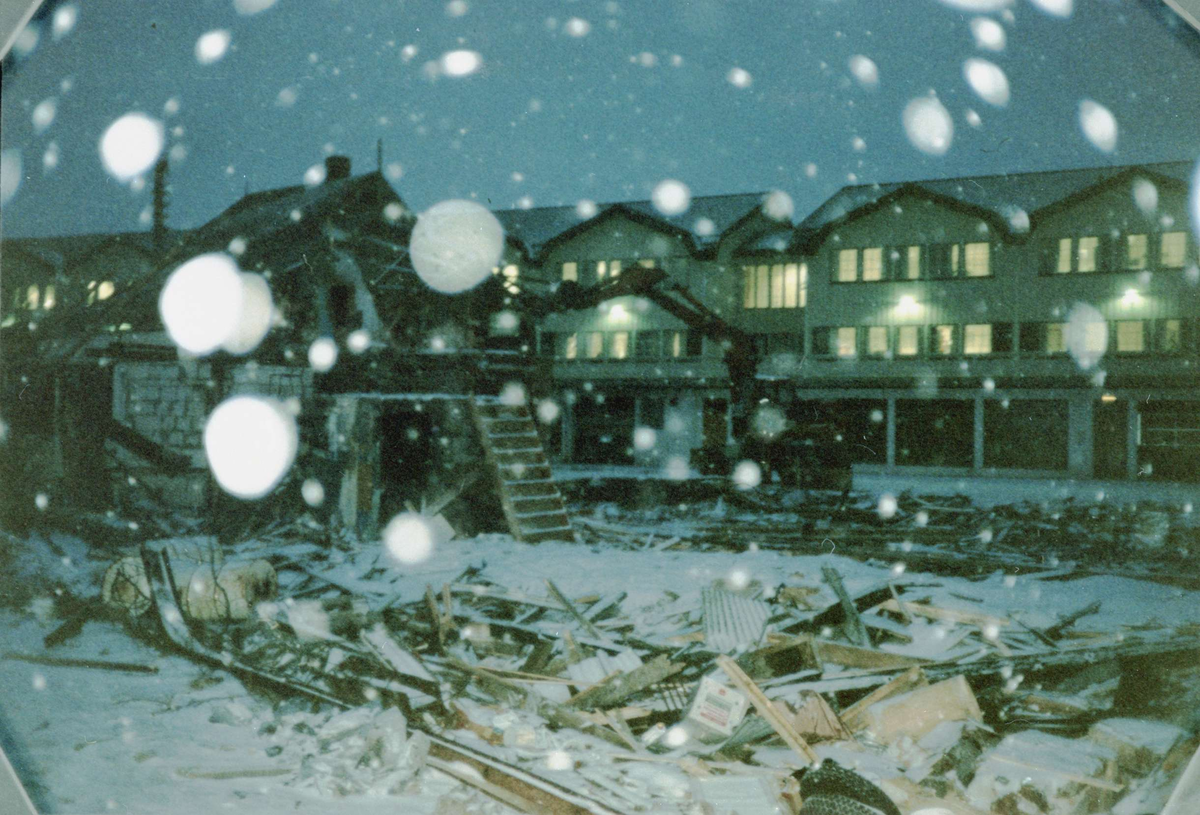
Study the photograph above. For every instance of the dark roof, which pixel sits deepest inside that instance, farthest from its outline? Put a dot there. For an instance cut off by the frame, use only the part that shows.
(707, 218)
(1005, 197)
(66, 251)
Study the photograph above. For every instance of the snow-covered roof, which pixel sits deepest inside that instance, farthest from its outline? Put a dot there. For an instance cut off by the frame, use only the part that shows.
(1004, 196)
(705, 220)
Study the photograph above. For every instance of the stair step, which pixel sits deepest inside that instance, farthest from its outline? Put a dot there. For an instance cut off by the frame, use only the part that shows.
(564, 533)
(539, 503)
(511, 458)
(515, 443)
(551, 520)
(495, 426)
(533, 488)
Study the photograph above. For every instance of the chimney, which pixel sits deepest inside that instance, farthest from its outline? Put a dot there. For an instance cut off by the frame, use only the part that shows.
(337, 168)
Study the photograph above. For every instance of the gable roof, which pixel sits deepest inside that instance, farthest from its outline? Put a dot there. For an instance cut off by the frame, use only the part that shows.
(705, 220)
(1001, 197)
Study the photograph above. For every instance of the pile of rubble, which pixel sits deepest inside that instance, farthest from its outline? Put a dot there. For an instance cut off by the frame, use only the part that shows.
(718, 701)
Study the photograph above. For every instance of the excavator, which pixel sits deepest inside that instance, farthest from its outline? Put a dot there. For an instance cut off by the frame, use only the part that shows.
(805, 454)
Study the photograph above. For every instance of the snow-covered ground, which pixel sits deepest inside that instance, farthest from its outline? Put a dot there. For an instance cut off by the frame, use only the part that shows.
(94, 741)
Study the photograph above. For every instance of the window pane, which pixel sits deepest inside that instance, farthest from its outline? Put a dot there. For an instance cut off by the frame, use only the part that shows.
(676, 343)
(943, 340)
(1174, 245)
(614, 268)
(1171, 337)
(620, 345)
(646, 263)
(570, 271)
(955, 260)
(877, 340)
(762, 290)
(648, 344)
(914, 262)
(595, 344)
(1131, 336)
(748, 286)
(847, 342)
(977, 339)
(32, 298)
(1137, 252)
(847, 266)
(790, 274)
(1056, 338)
(906, 341)
(1095, 337)
(1064, 256)
(1087, 254)
(572, 349)
(777, 286)
(873, 264)
(601, 269)
(978, 259)
(802, 301)
(48, 297)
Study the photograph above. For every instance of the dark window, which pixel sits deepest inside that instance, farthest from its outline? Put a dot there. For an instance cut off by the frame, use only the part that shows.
(935, 432)
(652, 410)
(341, 306)
(1002, 338)
(820, 341)
(1048, 258)
(939, 260)
(647, 344)
(1029, 434)
(549, 344)
(1032, 338)
(695, 343)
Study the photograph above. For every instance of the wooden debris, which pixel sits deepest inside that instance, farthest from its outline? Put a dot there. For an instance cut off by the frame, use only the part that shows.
(611, 693)
(814, 718)
(574, 612)
(855, 717)
(1056, 631)
(947, 615)
(100, 664)
(915, 713)
(782, 657)
(767, 710)
(1187, 790)
(871, 658)
(856, 632)
(226, 775)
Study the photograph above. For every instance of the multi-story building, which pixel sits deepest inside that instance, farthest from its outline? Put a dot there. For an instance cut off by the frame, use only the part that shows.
(1038, 322)
(635, 383)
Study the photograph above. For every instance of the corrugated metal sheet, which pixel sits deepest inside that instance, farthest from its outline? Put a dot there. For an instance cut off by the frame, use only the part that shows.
(732, 622)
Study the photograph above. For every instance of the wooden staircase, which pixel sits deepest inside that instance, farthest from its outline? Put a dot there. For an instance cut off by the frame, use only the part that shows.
(532, 503)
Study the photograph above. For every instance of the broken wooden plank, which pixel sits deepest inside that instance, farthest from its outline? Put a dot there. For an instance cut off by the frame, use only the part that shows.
(949, 615)
(856, 632)
(574, 612)
(226, 775)
(1086, 780)
(917, 712)
(1055, 631)
(852, 656)
(611, 693)
(781, 658)
(854, 717)
(767, 710)
(99, 664)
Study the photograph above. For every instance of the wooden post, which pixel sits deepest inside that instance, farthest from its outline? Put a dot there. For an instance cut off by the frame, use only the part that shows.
(855, 630)
(767, 710)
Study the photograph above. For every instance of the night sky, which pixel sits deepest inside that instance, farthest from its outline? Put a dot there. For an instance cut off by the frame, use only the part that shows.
(551, 118)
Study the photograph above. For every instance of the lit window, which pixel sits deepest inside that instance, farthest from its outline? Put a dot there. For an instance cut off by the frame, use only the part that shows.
(1087, 254)
(802, 300)
(847, 342)
(1131, 336)
(955, 260)
(877, 340)
(595, 344)
(619, 348)
(1171, 253)
(32, 298)
(570, 271)
(847, 269)
(48, 298)
(614, 268)
(943, 340)
(1137, 252)
(979, 259)
(777, 286)
(762, 287)
(1064, 256)
(646, 263)
(906, 341)
(1171, 339)
(601, 269)
(1056, 338)
(977, 339)
(106, 288)
(872, 264)
(747, 287)
(791, 281)
(677, 344)
(91, 287)
(1095, 337)
(572, 348)
(913, 272)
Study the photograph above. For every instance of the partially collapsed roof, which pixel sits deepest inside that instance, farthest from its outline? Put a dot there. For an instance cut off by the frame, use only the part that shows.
(1012, 199)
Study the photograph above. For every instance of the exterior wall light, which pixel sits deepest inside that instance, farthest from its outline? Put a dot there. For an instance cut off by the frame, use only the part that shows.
(1132, 298)
(1108, 397)
(617, 313)
(907, 305)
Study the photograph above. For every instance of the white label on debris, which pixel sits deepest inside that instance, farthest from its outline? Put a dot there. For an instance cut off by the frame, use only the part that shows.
(717, 707)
